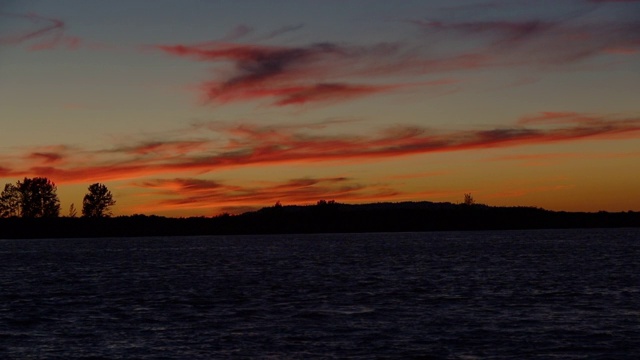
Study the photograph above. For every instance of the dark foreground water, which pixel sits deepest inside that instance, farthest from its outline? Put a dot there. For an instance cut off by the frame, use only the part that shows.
(489, 295)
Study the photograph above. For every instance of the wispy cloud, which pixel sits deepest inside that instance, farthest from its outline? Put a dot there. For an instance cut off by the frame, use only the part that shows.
(219, 146)
(294, 75)
(613, 1)
(420, 175)
(585, 124)
(544, 159)
(290, 75)
(537, 42)
(238, 32)
(6, 172)
(190, 193)
(503, 32)
(280, 31)
(46, 157)
(41, 33)
(157, 148)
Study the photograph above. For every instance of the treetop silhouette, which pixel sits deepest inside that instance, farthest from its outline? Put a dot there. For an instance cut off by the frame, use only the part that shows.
(30, 198)
(98, 201)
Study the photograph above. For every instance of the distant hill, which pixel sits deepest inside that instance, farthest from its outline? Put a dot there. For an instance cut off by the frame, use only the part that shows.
(325, 217)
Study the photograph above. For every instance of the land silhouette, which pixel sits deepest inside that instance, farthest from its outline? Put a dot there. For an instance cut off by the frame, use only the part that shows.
(323, 217)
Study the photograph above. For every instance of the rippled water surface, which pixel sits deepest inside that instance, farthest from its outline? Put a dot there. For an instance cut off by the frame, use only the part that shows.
(570, 294)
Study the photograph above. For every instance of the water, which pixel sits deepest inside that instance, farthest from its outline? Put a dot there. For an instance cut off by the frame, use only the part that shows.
(569, 294)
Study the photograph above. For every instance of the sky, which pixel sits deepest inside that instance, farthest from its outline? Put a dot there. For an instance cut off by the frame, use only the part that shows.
(196, 108)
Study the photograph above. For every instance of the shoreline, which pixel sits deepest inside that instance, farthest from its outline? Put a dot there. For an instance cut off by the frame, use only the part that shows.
(321, 218)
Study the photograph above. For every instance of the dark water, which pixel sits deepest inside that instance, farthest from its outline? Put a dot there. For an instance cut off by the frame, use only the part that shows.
(491, 295)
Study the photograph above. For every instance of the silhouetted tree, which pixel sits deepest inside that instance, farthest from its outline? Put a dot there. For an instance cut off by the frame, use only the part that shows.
(468, 199)
(97, 201)
(72, 211)
(10, 200)
(38, 198)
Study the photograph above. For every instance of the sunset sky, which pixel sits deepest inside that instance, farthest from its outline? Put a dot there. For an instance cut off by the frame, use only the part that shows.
(201, 107)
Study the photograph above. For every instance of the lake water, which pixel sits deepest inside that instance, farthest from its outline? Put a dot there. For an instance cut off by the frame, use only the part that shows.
(568, 294)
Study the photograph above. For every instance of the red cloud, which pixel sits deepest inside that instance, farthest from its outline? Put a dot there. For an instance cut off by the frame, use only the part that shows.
(166, 147)
(196, 193)
(6, 172)
(297, 75)
(301, 94)
(47, 32)
(250, 145)
(293, 75)
(46, 157)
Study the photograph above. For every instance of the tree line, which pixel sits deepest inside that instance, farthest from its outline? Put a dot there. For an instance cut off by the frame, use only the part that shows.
(37, 198)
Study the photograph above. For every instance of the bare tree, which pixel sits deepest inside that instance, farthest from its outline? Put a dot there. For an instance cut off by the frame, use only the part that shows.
(97, 202)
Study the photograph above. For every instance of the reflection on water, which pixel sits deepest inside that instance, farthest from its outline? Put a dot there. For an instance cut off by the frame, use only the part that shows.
(528, 294)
